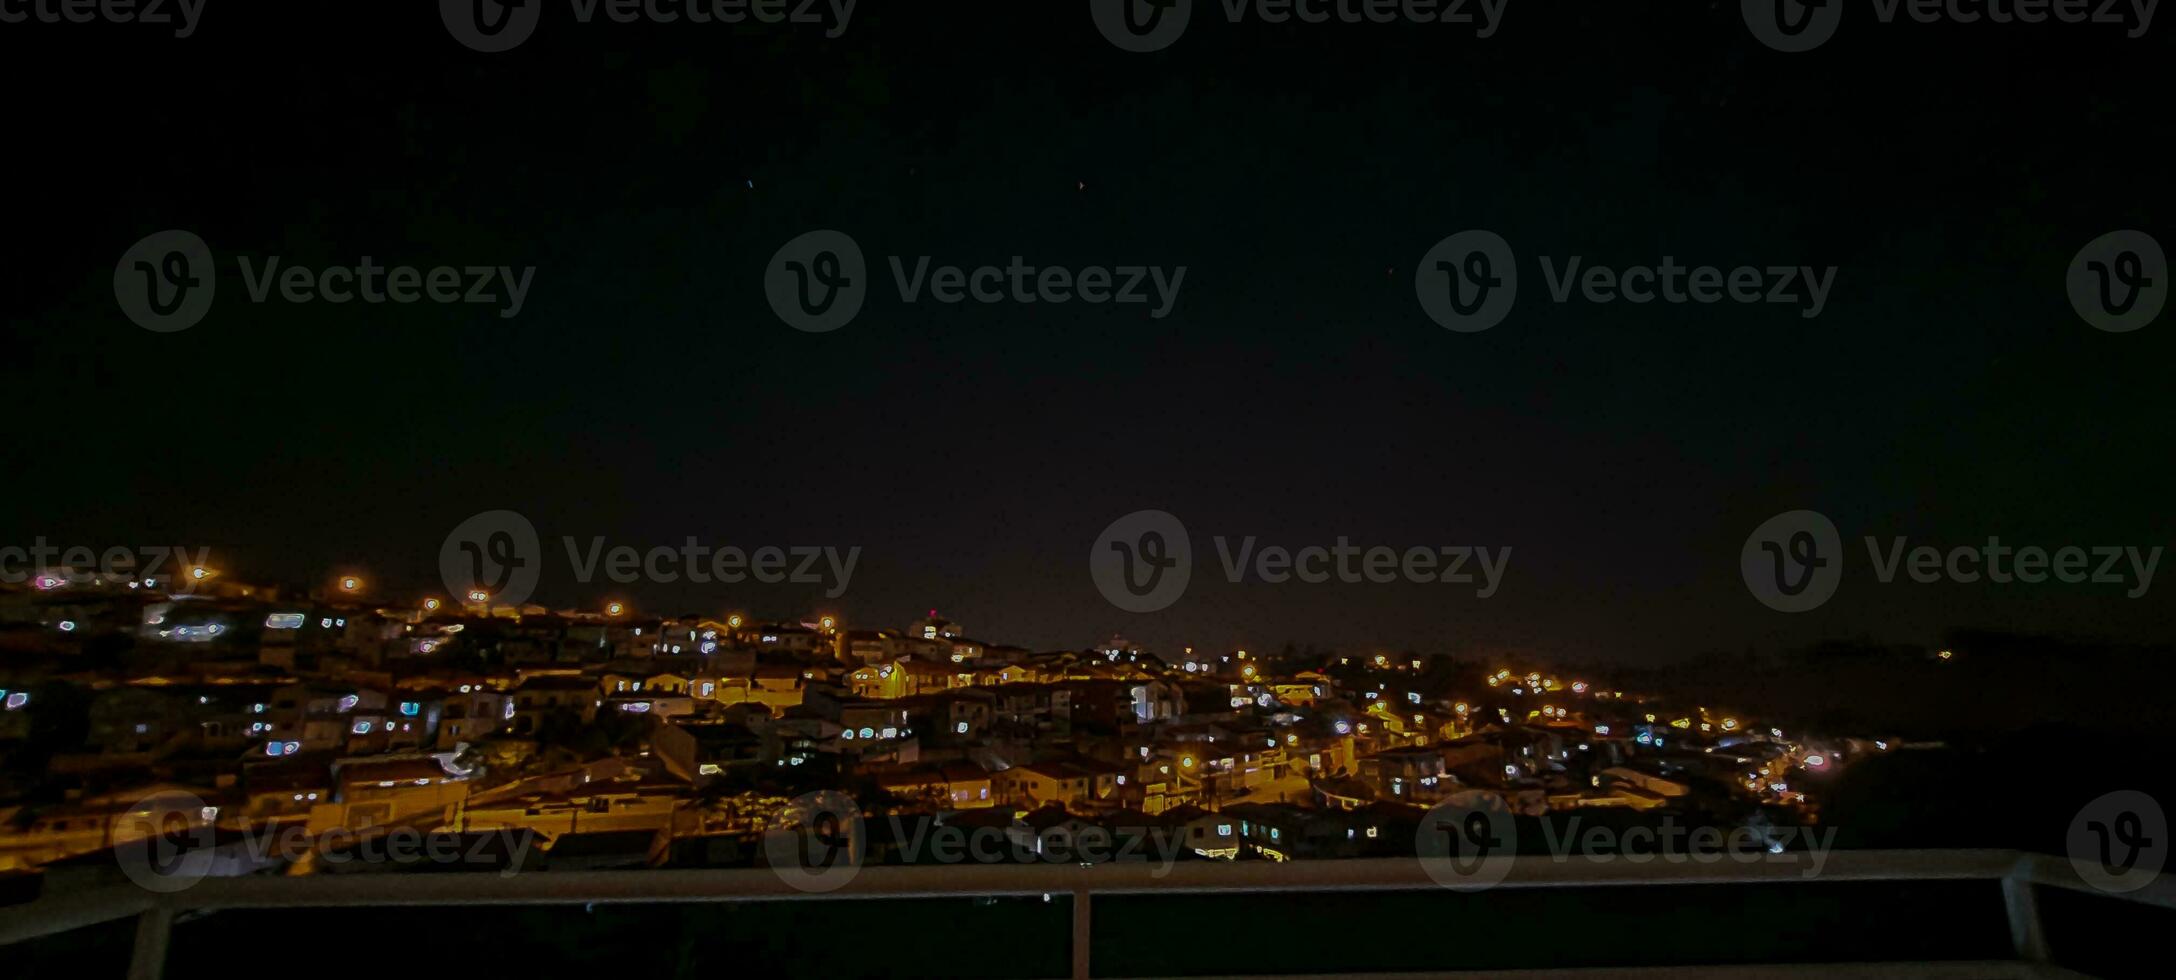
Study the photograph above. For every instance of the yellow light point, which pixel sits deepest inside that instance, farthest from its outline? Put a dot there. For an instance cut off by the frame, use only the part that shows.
(430, 605)
(829, 623)
(1187, 761)
(733, 620)
(1945, 655)
(1381, 660)
(1460, 707)
(1650, 719)
(479, 596)
(614, 608)
(200, 573)
(1730, 724)
(1681, 723)
(351, 584)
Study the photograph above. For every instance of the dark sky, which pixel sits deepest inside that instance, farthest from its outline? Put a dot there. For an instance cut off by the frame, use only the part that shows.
(1297, 392)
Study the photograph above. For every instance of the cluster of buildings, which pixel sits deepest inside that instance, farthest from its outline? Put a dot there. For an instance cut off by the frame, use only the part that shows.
(610, 738)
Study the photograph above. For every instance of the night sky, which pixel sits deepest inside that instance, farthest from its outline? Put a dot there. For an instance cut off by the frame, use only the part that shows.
(1296, 393)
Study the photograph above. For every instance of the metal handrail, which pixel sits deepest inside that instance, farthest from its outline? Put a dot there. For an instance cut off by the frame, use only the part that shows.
(2019, 872)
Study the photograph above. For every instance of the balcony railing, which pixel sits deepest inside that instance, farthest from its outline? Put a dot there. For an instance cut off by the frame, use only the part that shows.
(2022, 878)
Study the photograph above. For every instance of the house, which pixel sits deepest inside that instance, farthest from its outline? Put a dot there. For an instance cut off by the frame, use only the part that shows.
(1211, 835)
(1052, 833)
(1071, 784)
(952, 786)
(379, 792)
(901, 678)
(135, 719)
(698, 751)
(537, 695)
(1025, 709)
(957, 717)
(786, 638)
(309, 718)
(1410, 773)
(1282, 831)
(471, 714)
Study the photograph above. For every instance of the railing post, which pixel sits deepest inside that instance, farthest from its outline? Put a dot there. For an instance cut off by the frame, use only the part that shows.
(2024, 906)
(153, 925)
(1080, 934)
